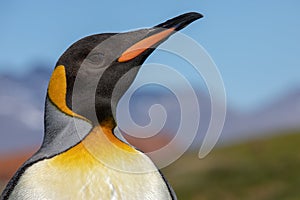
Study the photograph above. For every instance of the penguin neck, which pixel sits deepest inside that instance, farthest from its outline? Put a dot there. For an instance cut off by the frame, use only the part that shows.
(67, 123)
(63, 131)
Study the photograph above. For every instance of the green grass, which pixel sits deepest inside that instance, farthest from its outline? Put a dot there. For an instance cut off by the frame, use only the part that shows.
(261, 170)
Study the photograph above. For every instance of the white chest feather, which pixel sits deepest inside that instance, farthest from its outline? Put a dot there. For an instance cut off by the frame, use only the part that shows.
(78, 174)
(40, 182)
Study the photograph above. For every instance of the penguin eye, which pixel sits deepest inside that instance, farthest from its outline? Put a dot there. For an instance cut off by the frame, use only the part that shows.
(95, 58)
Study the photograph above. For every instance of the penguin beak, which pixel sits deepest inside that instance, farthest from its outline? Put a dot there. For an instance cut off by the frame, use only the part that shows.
(157, 35)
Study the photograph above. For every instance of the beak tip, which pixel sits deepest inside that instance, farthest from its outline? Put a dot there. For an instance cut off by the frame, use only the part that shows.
(195, 15)
(164, 31)
(181, 21)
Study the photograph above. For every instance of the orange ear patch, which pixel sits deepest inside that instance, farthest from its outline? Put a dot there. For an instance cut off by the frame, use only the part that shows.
(141, 46)
(57, 90)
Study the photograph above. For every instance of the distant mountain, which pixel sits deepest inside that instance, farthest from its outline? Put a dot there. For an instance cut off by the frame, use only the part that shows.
(22, 107)
(281, 114)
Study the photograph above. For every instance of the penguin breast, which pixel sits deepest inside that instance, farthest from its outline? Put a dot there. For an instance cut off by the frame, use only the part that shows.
(93, 169)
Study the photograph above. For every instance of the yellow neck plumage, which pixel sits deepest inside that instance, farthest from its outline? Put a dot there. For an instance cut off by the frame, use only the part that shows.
(57, 94)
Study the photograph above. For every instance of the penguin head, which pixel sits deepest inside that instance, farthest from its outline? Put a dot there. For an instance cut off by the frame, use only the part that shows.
(94, 73)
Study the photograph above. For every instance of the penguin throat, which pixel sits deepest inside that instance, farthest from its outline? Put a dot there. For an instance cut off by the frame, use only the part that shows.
(63, 132)
(108, 123)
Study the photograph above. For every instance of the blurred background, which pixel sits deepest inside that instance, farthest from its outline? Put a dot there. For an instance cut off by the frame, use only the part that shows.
(256, 46)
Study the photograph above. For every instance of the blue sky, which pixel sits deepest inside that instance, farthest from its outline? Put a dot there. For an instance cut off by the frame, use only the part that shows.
(255, 44)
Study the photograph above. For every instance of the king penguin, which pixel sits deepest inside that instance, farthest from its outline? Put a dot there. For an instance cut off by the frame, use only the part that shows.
(81, 157)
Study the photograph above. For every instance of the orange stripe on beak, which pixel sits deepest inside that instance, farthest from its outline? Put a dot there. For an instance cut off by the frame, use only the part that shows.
(141, 46)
